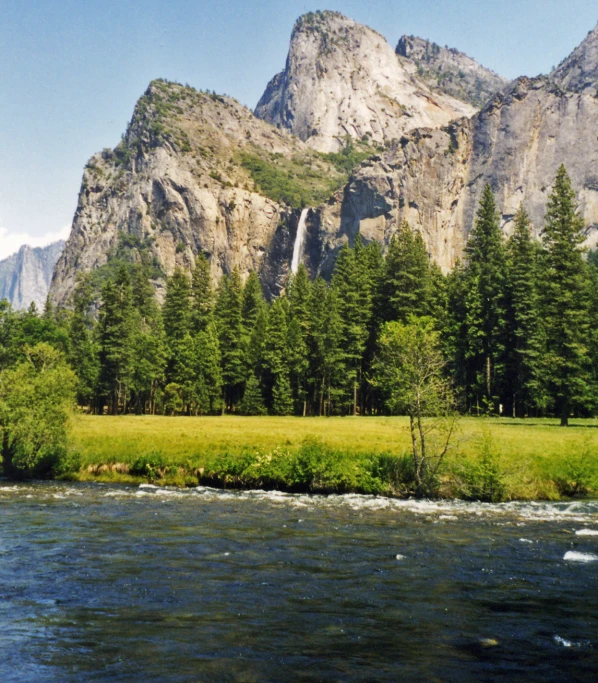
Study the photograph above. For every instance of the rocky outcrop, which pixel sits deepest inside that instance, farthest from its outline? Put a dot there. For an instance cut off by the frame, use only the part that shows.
(579, 72)
(25, 276)
(179, 184)
(197, 172)
(343, 80)
(434, 178)
(451, 72)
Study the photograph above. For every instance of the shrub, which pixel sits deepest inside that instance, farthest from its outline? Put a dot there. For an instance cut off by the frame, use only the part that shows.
(577, 473)
(36, 401)
(482, 478)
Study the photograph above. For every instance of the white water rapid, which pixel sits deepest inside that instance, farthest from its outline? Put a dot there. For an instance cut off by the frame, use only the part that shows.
(299, 241)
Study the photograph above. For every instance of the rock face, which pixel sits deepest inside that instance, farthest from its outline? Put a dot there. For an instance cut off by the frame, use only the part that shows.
(25, 276)
(178, 185)
(451, 72)
(197, 172)
(343, 79)
(579, 71)
(434, 178)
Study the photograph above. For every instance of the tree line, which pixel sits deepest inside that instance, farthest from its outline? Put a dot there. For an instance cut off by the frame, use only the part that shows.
(516, 321)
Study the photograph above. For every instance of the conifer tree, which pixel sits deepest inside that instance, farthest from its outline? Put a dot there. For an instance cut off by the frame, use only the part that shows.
(355, 298)
(485, 306)
(407, 275)
(254, 320)
(176, 315)
(149, 348)
(566, 301)
(209, 372)
(115, 327)
(252, 402)
(282, 397)
(202, 295)
(299, 298)
(327, 357)
(229, 322)
(525, 347)
(276, 358)
(176, 311)
(83, 351)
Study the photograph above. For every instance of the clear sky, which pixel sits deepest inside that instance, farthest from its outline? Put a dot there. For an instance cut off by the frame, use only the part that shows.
(71, 71)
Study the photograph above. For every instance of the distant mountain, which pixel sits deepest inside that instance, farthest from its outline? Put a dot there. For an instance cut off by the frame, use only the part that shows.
(25, 276)
(451, 72)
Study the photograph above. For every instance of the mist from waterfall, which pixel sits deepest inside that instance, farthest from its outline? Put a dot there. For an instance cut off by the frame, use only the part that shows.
(299, 241)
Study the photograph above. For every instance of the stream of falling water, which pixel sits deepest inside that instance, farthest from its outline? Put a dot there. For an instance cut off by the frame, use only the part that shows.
(299, 242)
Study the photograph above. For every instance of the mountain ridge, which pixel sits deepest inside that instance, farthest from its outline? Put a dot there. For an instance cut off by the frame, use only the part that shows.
(198, 173)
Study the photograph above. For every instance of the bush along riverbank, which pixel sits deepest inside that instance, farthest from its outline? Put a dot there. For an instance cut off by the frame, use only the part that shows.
(316, 468)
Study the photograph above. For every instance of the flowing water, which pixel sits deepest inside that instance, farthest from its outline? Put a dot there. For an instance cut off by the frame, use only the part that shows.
(109, 583)
(299, 241)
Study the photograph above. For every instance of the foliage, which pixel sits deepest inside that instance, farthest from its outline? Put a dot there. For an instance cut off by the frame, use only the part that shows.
(566, 302)
(36, 401)
(410, 371)
(481, 478)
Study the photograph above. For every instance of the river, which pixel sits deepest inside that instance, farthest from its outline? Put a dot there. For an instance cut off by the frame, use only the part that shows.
(109, 583)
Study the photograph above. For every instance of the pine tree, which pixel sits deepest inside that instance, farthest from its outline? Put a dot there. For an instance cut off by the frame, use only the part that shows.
(299, 297)
(229, 322)
(525, 343)
(83, 351)
(252, 402)
(149, 346)
(566, 301)
(209, 372)
(485, 306)
(355, 298)
(202, 294)
(276, 356)
(326, 353)
(254, 321)
(115, 329)
(407, 275)
(282, 397)
(176, 312)
(176, 316)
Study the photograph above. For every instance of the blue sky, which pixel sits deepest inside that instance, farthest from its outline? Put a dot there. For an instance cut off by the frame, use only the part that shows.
(71, 71)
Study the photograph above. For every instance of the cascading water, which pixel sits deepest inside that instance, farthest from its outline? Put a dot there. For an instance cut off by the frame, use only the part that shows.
(299, 241)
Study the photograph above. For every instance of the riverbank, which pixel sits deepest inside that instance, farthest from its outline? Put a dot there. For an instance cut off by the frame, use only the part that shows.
(493, 459)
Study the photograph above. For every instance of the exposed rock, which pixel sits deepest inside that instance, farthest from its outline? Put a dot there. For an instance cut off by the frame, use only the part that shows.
(434, 178)
(198, 172)
(343, 79)
(450, 71)
(177, 186)
(25, 276)
(579, 72)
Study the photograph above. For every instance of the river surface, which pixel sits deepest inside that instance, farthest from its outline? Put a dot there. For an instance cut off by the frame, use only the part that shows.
(107, 583)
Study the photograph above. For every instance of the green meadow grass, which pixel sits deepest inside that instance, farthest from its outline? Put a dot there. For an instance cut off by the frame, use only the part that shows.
(532, 455)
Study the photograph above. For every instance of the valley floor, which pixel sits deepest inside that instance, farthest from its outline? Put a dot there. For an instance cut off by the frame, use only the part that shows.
(495, 459)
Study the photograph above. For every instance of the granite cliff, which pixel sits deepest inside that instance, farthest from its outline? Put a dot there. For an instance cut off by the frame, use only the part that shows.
(343, 80)
(451, 72)
(25, 276)
(197, 172)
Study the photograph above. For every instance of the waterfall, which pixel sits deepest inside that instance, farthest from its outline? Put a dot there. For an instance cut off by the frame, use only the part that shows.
(299, 241)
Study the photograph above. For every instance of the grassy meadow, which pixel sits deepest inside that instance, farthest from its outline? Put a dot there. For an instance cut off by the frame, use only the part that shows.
(494, 459)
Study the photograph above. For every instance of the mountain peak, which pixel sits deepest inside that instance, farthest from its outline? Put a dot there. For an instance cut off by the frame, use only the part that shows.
(343, 80)
(579, 71)
(450, 71)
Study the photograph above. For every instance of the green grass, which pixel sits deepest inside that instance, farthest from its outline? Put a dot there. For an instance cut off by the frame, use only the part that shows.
(533, 459)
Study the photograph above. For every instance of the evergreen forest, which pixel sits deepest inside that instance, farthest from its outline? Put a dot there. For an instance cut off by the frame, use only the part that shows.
(517, 320)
